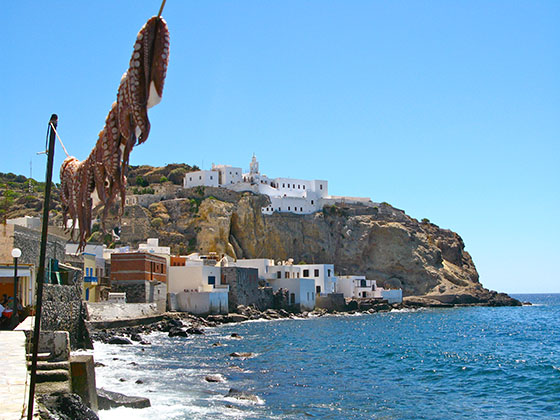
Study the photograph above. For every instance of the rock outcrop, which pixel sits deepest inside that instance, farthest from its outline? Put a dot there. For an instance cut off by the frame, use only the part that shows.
(380, 242)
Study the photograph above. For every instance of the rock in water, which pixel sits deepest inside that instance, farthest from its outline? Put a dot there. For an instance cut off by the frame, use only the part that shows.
(241, 354)
(119, 340)
(177, 332)
(242, 395)
(214, 378)
(109, 399)
(65, 406)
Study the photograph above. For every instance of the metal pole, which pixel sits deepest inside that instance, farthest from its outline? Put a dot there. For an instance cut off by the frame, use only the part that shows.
(15, 313)
(41, 269)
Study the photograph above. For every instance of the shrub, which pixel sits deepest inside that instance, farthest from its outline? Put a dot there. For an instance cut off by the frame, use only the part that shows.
(163, 179)
(425, 220)
(177, 175)
(140, 181)
(157, 222)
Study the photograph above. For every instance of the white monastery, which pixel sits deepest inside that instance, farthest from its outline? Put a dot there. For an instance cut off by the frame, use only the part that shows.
(287, 195)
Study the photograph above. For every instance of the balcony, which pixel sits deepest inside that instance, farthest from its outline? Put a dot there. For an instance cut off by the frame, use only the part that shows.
(90, 279)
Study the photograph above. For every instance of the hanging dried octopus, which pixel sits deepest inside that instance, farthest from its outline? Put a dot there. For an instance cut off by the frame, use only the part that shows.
(101, 177)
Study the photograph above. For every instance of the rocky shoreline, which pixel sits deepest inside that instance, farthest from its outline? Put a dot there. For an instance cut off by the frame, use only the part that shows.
(181, 324)
(178, 324)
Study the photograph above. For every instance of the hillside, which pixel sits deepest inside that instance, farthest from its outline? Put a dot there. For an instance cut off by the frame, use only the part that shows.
(381, 242)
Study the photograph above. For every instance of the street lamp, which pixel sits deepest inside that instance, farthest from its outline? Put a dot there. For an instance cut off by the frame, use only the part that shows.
(16, 253)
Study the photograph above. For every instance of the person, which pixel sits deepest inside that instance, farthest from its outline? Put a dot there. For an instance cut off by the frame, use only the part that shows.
(5, 299)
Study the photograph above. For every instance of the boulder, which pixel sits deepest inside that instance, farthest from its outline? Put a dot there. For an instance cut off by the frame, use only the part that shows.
(214, 378)
(135, 337)
(241, 354)
(65, 406)
(177, 332)
(237, 317)
(242, 395)
(109, 399)
(119, 340)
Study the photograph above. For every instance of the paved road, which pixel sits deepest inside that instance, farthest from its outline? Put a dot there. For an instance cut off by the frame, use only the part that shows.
(14, 385)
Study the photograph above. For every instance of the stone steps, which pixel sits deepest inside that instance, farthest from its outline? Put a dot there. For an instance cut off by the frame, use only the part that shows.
(40, 356)
(50, 365)
(54, 375)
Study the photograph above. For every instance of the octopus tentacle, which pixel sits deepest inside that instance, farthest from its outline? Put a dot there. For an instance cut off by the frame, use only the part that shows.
(101, 177)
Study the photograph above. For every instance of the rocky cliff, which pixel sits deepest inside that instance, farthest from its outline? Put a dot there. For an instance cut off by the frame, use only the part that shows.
(381, 242)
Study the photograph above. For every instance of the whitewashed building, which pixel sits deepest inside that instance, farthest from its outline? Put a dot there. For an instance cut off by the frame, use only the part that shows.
(360, 287)
(301, 292)
(322, 274)
(287, 195)
(195, 287)
(219, 176)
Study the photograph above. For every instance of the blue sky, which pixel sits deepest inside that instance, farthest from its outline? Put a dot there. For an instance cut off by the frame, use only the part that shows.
(449, 110)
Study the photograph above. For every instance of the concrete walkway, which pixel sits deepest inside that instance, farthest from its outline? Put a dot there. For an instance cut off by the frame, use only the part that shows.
(14, 386)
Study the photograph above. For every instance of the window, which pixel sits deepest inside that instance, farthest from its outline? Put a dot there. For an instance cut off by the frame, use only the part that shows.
(306, 273)
(318, 289)
(278, 275)
(301, 209)
(211, 177)
(316, 273)
(298, 187)
(190, 178)
(363, 283)
(286, 275)
(311, 202)
(307, 296)
(321, 186)
(283, 185)
(211, 279)
(279, 209)
(304, 187)
(288, 208)
(329, 272)
(200, 177)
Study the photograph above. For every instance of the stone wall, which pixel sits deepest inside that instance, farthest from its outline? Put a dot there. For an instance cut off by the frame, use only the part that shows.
(142, 291)
(244, 288)
(29, 241)
(331, 302)
(63, 311)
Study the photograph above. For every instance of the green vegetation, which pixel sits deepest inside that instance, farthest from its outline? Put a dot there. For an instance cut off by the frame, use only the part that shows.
(140, 191)
(141, 182)
(425, 220)
(163, 179)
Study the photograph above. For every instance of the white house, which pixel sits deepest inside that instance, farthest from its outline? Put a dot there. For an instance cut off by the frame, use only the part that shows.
(196, 288)
(219, 176)
(360, 287)
(301, 291)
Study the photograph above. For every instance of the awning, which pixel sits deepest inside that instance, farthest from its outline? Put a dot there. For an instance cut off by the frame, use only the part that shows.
(9, 272)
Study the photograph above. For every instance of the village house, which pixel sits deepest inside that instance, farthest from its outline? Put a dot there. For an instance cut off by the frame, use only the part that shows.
(358, 287)
(195, 286)
(142, 276)
(96, 284)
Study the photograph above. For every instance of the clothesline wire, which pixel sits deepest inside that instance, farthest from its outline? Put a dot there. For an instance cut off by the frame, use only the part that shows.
(59, 139)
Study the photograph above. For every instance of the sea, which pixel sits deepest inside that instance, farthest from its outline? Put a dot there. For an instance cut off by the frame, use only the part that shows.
(455, 363)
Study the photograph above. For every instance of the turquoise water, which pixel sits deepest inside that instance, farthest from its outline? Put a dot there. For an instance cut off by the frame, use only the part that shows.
(462, 363)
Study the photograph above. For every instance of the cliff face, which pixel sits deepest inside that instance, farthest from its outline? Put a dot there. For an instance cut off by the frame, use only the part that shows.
(382, 243)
